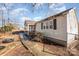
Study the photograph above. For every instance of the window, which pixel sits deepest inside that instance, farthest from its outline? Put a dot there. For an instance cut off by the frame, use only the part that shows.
(47, 25)
(51, 25)
(55, 24)
(44, 27)
(41, 25)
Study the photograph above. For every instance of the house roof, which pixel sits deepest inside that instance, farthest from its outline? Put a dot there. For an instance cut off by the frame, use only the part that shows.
(55, 15)
(30, 22)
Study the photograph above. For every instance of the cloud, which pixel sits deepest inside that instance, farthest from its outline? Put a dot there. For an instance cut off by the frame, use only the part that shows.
(9, 5)
(37, 18)
(55, 8)
(3, 11)
(19, 11)
(25, 18)
(54, 5)
(61, 8)
(52, 9)
(22, 19)
(37, 5)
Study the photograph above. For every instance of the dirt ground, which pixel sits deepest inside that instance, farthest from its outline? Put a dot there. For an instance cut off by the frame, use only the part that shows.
(19, 51)
(59, 50)
(14, 48)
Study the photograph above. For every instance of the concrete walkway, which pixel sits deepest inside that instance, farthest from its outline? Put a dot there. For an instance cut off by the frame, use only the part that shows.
(35, 48)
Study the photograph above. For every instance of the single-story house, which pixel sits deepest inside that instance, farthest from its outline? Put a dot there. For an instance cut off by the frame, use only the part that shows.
(61, 28)
(29, 25)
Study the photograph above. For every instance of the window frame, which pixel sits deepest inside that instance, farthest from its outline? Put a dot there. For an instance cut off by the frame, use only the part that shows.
(51, 24)
(42, 26)
(55, 24)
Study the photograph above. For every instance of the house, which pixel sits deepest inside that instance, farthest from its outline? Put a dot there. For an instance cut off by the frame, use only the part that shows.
(29, 25)
(61, 28)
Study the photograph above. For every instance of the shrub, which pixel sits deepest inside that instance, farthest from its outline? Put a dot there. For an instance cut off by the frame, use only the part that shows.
(6, 28)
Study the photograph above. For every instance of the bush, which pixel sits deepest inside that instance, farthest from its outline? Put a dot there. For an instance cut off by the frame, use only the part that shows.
(6, 28)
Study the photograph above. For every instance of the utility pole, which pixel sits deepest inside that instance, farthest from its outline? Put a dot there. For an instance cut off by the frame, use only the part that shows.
(3, 21)
(7, 12)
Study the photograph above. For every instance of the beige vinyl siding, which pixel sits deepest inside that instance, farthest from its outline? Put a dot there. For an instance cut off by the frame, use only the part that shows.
(59, 33)
(72, 26)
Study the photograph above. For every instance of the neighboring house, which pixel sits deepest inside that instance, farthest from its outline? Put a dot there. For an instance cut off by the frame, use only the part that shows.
(60, 28)
(29, 25)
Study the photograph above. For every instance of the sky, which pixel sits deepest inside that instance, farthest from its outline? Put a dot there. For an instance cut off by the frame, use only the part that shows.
(19, 12)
